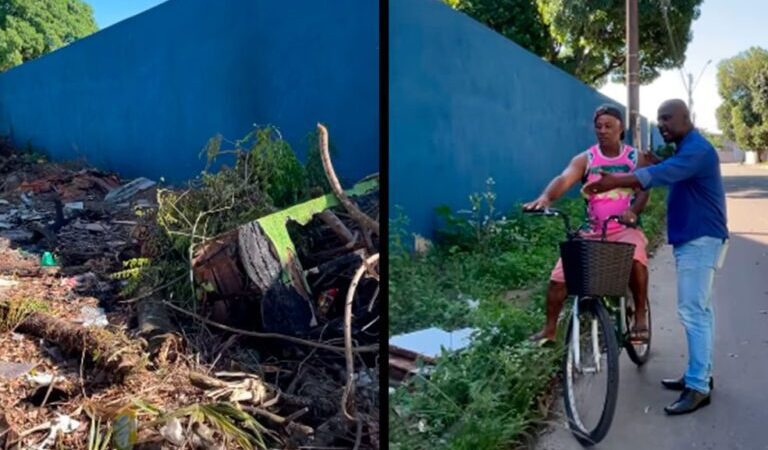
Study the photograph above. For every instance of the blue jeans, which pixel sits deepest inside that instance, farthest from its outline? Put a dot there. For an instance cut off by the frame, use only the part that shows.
(696, 263)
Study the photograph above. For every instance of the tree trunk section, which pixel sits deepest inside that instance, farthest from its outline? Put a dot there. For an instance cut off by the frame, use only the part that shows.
(104, 348)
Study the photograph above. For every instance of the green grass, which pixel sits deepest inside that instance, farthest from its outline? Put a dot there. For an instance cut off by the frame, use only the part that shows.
(488, 396)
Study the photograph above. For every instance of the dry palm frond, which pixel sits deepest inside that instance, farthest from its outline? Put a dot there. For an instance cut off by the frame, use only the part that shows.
(233, 423)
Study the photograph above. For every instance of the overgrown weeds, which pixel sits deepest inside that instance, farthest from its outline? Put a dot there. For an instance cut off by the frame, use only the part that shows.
(14, 311)
(488, 270)
(263, 175)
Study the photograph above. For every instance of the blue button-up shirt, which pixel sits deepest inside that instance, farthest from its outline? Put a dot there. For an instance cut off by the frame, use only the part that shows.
(696, 201)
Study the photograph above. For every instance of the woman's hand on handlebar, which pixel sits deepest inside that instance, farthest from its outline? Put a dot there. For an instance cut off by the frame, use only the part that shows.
(538, 204)
(629, 218)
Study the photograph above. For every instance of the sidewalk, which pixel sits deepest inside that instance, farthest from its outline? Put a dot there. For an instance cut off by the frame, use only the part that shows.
(737, 417)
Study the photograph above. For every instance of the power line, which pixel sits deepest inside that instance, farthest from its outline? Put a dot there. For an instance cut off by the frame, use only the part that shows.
(688, 84)
(664, 6)
(700, 74)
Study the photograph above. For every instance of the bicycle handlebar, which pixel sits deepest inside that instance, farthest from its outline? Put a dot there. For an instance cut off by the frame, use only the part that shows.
(543, 212)
(553, 212)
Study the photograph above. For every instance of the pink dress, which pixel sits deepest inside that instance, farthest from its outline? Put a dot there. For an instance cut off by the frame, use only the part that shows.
(611, 203)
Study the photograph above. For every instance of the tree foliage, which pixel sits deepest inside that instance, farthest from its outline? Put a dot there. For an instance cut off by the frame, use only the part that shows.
(742, 82)
(587, 38)
(519, 20)
(716, 139)
(31, 28)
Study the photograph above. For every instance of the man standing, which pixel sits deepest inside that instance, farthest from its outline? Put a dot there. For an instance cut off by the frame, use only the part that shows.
(697, 230)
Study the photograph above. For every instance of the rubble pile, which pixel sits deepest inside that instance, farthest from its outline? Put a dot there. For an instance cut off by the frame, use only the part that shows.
(275, 345)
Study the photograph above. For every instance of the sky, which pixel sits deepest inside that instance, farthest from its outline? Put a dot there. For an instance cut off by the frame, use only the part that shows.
(109, 12)
(724, 29)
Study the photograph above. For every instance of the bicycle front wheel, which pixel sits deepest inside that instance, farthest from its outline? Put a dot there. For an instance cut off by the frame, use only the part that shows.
(591, 373)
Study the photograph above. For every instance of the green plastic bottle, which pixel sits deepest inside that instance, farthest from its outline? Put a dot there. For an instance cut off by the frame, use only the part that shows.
(48, 260)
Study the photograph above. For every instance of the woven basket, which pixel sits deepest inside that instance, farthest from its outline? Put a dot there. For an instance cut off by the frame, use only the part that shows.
(596, 268)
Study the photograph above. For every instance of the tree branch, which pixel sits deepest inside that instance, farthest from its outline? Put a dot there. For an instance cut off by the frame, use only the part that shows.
(349, 388)
(359, 216)
(614, 64)
(361, 349)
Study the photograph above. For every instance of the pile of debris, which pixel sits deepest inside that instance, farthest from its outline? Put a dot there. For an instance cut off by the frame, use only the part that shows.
(278, 347)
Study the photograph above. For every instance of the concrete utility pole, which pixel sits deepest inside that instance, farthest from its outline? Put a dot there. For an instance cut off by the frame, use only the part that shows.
(690, 94)
(633, 72)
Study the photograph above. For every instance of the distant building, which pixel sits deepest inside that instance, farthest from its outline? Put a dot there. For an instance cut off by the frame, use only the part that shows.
(730, 152)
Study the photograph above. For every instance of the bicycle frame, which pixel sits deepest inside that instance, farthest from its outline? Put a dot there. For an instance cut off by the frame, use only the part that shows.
(610, 315)
(620, 328)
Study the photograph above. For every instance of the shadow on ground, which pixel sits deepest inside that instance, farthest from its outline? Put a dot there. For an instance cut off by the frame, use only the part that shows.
(736, 419)
(746, 186)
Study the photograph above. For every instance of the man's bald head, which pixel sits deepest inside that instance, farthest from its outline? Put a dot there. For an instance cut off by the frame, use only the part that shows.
(674, 120)
(675, 105)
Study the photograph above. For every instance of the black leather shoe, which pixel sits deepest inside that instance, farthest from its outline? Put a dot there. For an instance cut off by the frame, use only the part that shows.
(679, 383)
(689, 401)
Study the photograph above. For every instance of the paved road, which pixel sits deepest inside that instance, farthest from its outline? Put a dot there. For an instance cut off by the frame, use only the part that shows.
(738, 415)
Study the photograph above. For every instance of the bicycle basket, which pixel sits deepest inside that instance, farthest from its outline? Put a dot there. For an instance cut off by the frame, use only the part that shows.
(596, 268)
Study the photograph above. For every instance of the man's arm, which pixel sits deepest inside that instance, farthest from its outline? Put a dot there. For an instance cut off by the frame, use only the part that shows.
(641, 197)
(641, 201)
(561, 183)
(680, 166)
(648, 158)
(610, 181)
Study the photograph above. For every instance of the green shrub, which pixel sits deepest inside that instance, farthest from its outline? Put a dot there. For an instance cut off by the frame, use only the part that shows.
(489, 395)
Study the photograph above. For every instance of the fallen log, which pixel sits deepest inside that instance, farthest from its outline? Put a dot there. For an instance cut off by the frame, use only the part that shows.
(260, 261)
(107, 350)
(153, 318)
(155, 326)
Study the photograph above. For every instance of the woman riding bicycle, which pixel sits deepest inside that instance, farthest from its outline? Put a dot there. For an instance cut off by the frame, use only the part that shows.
(608, 155)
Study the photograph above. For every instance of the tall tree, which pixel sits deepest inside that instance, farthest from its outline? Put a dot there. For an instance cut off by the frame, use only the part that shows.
(30, 28)
(592, 36)
(587, 37)
(742, 82)
(519, 20)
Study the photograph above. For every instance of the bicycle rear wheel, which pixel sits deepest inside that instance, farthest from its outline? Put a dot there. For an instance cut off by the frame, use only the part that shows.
(638, 353)
(591, 385)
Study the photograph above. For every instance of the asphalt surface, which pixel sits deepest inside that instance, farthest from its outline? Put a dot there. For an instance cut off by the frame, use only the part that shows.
(738, 415)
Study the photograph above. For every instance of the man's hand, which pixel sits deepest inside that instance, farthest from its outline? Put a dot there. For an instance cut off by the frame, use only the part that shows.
(629, 217)
(540, 203)
(650, 158)
(606, 183)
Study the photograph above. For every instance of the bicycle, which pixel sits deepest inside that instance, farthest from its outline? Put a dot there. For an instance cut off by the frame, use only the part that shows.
(597, 275)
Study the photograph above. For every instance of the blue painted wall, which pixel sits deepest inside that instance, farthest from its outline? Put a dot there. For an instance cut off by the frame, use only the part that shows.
(467, 104)
(144, 95)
